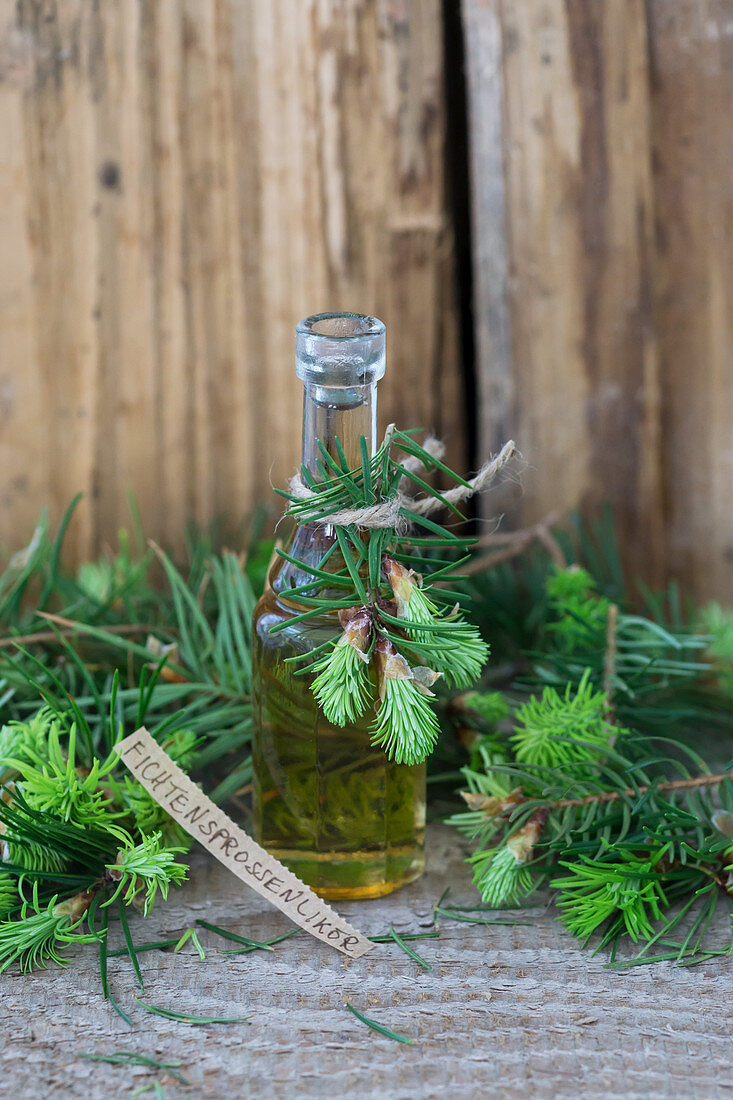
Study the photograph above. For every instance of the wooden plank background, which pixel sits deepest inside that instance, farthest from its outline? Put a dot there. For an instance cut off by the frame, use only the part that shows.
(602, 182)
(183, 179)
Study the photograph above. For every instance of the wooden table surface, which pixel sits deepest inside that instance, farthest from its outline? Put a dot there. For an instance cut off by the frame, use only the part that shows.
(505, 1012)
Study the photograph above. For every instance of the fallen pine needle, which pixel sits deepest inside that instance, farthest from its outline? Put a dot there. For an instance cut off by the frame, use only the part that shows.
(186, 1018)
(266, 943)
(190, 934)
(477, 920)
(378, 1027)
(409, 951)
(152, 946)
(227, 935)
(129, 1058)
(388, 938)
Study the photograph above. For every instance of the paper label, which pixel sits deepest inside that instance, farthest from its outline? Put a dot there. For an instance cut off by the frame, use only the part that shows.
(198, 815)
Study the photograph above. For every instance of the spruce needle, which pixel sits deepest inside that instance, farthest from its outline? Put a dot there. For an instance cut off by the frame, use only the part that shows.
(156, 945)
(120, 1011)
(267, 943)
(130, 1058)
(454, 915)
(128, 941)
(389, 938)
(225, 934)
(378, 1027)
(408, 950)
(187, 1018)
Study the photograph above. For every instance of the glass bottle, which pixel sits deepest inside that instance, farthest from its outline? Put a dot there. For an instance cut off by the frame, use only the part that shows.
(327, 803)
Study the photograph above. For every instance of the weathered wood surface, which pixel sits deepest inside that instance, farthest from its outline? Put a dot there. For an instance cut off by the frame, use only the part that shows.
(692, 141)
(603, 266)
(182, 181)
(505, 1012)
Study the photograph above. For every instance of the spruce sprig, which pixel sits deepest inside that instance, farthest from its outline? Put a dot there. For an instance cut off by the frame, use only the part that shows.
(554, 729)
(69, 833)
(53, 783)
(75, 828)
(41, 933)
(625, 889)
(635, 819)
(397, 636)
(149, 866)
(502, 879)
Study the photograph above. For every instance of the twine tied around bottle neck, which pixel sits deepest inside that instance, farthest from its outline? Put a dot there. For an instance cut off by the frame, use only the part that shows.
(387, 513)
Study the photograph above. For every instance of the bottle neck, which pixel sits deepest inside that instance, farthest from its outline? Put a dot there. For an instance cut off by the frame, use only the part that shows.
(339, 357)
(345, 413)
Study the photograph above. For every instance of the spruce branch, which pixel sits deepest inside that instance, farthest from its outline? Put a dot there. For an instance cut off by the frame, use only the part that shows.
(40, 934)
(394, 631)
(631, 817)
(341, 683)
(624, 888)
(52, 782)
(149, 866)
(83, 656)
(500, 878)
(557, 729)
(406, 726)
(491, 806)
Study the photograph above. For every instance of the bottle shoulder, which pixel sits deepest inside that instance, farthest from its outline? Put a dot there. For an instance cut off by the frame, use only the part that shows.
(306, 547)
(272, 629)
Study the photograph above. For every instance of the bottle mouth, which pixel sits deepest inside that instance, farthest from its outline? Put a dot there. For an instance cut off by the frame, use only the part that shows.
(335, 350)
(341, 326)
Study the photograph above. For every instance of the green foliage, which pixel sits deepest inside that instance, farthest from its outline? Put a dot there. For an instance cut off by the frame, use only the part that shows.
(341, 684)
(113, 576)
(149, 866)
(459, 653)
(181, 651)
(25, 741)
(589, 712)
(407, 728)
(9, 896)
(119, 651)
(718, 625)
(579, 613)
(39, 934)
(30, 855)
(149, 815)
(485, 775)
(51, 782)
(500, 878)
(596, 758)
(69, 830)
(490, 707)
(554, 729)
(624, 889)
(74, 824)
(370, 573)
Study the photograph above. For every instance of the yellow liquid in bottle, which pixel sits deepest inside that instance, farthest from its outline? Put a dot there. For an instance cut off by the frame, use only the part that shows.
(328, 804)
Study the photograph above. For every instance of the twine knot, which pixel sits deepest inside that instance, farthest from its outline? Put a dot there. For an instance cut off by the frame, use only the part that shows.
(387, 514)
